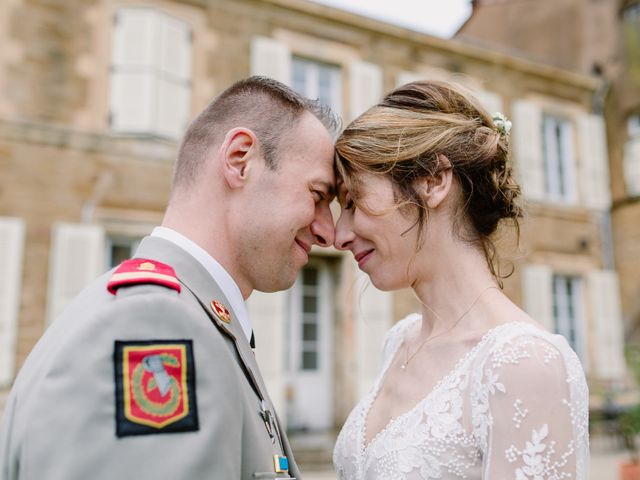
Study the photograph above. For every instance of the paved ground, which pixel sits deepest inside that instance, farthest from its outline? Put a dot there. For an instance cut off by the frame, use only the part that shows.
(606, 455)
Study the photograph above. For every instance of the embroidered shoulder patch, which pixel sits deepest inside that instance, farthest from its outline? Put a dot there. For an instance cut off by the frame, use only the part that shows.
(142, 270)
(155, 387)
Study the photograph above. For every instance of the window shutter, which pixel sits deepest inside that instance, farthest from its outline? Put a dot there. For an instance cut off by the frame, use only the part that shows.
(374, 317)
(271, 58)
(12, 233)
(594, 165)
(632, 166)
(77, 257)
(365, 90)
(492, 102)
(538, 294)
(607, 320)
(527, 142)
(133, 95)
(405, 77)
(268, 312)
(174, 85)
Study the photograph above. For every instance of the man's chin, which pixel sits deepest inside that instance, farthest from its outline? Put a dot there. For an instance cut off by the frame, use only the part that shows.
(283, 282)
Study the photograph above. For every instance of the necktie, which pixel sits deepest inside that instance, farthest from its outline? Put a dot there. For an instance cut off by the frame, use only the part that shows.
(252, 342)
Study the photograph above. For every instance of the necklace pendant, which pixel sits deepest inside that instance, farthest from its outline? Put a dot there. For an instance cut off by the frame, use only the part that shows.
(403, 366)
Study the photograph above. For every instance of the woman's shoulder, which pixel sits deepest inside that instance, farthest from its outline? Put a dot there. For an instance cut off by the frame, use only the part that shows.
(396, 334)
(401, 327)
(531, 344)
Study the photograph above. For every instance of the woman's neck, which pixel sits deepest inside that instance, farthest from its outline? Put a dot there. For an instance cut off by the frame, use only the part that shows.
(452, 285)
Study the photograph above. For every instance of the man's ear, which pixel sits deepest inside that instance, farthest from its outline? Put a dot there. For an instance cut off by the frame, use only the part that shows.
(236, 152)
(436, 189)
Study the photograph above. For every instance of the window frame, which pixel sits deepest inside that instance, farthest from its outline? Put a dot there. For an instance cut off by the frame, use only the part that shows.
(568, 313)
(559, 158)
(312, 88)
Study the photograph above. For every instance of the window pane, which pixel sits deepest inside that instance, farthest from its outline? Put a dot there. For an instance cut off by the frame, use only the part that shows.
(310, 304)
(309, 360)
(299, 83)
(309, 276)
(309, 332)
(119, 253)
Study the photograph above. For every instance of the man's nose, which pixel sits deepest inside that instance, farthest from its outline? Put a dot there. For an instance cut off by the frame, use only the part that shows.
(343, 233)
(322, 226)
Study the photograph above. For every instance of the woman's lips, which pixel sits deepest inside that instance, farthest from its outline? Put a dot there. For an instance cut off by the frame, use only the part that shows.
(363, 257)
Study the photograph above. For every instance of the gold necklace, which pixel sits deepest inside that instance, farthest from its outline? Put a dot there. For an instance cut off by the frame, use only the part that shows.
(404, 364)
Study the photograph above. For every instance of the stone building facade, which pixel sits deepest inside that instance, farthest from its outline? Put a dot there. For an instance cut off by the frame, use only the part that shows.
(601, 38)
(96, 93)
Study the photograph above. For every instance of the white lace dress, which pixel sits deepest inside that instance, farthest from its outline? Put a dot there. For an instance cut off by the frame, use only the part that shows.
(514, 407)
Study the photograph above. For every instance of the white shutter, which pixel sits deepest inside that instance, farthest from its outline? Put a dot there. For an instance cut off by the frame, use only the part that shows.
(77, 257)
(538, 294)
(632, 166)
(133, 95)
(492, 102)
(12, 233)
(268, 313)
(527, 141)
(365, 80)
(405, 77)
(174, 87)
(271, 58)
(594, 164)
(374, 317)
(608, 333)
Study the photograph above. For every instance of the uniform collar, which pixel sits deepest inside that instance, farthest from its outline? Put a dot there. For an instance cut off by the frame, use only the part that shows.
(226, 283)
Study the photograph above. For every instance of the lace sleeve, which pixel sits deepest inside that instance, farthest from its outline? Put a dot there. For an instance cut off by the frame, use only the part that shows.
(537, 403)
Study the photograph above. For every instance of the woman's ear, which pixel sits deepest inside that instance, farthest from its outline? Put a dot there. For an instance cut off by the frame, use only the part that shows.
(236, 155)
(435, 189)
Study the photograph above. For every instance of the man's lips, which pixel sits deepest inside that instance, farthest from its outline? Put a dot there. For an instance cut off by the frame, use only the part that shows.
(304, 246)
(363, 256)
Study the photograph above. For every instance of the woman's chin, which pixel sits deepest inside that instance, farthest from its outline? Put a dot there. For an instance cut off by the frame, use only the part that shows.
(386, 284)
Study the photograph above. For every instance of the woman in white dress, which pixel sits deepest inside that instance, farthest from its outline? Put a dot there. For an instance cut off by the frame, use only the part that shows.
(471, 387)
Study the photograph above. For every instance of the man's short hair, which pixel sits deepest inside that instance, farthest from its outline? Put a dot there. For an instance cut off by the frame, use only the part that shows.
(265, 106)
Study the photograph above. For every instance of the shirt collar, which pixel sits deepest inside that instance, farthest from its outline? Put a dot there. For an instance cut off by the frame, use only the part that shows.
(226, 283)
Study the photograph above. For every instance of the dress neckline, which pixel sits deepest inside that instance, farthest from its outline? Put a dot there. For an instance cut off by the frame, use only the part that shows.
(373, 394)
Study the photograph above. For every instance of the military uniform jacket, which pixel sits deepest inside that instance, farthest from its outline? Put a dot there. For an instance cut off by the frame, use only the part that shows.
(90, 401)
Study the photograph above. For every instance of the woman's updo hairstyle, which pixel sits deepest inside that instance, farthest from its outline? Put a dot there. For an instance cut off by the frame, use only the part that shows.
(404, 137)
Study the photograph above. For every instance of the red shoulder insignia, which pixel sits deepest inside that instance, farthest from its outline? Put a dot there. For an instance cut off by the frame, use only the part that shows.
(141, 270)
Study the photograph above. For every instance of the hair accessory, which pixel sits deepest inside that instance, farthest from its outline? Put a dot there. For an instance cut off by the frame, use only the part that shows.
(502, 123)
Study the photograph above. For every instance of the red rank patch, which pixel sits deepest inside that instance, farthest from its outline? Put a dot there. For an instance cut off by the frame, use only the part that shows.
(155, 387)
(140, 271)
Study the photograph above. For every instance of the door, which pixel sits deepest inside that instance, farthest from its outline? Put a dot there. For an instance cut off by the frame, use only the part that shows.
(310, 359)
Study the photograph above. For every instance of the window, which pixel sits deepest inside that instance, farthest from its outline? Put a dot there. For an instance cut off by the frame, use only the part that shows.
(120, 249)
(567, 311)
(631, 12)
(318, 80)
(150, 73)
(559, 159)
(310, 318)
(632, 156)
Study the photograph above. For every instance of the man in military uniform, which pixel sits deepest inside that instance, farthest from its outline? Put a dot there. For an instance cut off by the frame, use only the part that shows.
(149, 373)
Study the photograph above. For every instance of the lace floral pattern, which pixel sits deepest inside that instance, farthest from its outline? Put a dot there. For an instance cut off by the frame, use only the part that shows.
(487, 418)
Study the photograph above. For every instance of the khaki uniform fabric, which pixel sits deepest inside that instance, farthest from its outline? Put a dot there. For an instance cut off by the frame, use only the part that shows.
(60, 421)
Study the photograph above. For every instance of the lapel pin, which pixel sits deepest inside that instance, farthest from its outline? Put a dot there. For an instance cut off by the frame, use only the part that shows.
(221, 311)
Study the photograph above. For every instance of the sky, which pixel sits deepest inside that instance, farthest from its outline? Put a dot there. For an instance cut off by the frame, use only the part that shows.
(435, 17)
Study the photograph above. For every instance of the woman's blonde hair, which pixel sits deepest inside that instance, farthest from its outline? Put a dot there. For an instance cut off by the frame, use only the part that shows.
(404, 138)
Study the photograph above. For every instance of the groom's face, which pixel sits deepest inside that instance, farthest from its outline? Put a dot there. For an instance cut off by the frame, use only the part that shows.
(291, 211)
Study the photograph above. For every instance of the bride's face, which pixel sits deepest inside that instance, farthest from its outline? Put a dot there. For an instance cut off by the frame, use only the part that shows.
(380, 235)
